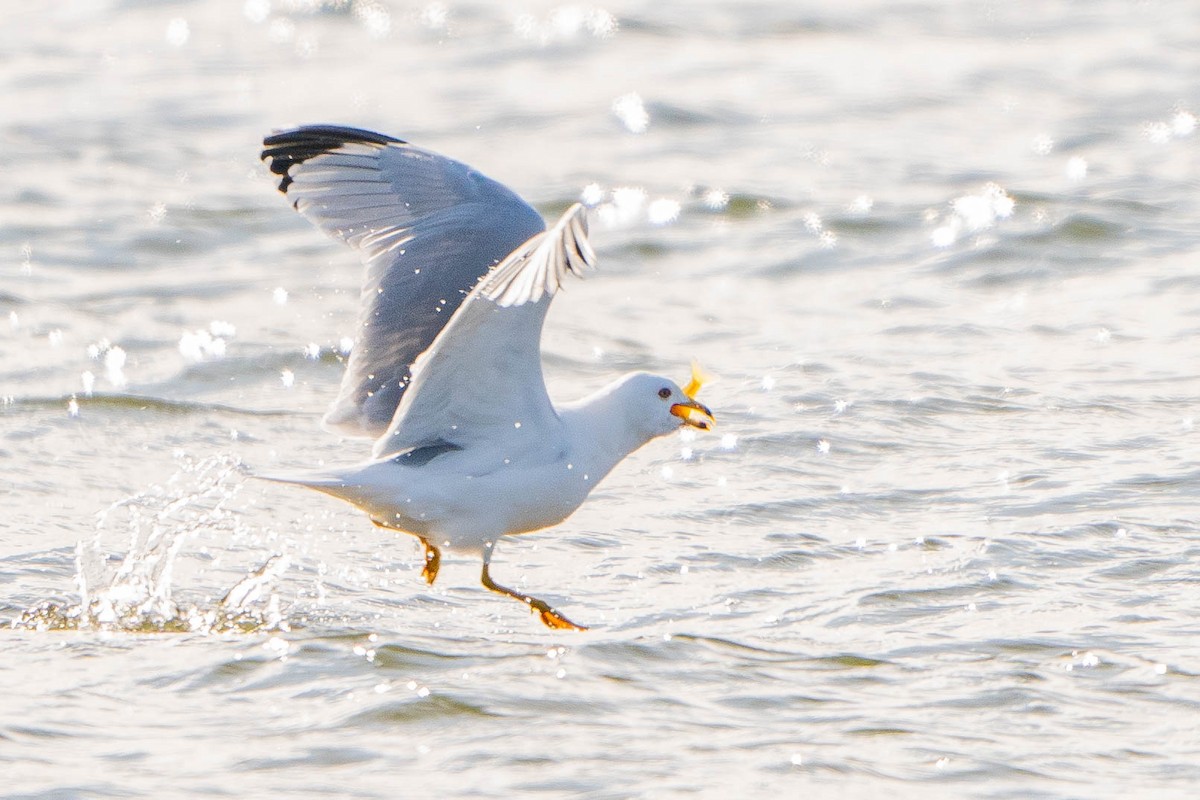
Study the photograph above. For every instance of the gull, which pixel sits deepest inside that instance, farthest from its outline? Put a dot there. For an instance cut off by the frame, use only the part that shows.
(445, 372)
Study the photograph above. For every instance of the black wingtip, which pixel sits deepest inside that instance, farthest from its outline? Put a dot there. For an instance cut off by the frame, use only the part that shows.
(283, 149)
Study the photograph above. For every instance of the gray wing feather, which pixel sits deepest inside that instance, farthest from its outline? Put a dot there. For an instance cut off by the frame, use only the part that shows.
(481, 379)
(427, 228)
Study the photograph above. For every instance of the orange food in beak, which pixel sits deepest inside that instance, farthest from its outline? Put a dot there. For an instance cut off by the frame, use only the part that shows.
(693, 412)
(699, 378)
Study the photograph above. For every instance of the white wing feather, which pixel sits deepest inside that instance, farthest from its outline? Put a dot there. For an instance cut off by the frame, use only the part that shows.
(481, 379)
(427, 228)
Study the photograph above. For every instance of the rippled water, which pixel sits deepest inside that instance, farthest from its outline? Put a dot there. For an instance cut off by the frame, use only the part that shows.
(943, 257)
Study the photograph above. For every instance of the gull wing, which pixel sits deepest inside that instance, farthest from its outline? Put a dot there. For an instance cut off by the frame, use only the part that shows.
(481, 379)
(427, 228)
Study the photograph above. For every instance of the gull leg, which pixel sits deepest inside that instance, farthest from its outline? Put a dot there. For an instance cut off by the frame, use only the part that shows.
(433, 560)
(433, 556)
(550, 617)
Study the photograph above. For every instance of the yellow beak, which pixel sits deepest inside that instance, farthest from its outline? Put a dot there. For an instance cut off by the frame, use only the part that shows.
(695, 414)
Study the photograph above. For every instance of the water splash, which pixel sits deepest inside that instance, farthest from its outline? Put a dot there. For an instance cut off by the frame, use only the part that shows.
(134, 592)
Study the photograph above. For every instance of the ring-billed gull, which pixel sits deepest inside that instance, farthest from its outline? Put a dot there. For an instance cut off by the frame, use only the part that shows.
(446, 365)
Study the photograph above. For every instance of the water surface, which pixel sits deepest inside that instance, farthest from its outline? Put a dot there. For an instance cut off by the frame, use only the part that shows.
(943, 544)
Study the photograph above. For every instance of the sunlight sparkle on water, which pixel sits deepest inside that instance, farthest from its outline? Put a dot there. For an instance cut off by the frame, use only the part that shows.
(257, 11)
(281, 30)
(814, 225)
(624, 208)
(861, 205)
(716, 200)
(1077, 168)
(178, 32)
(974, 212)
(280, 295)
(631, 111)
(565, 23)
(114, 366)
(592, 195)
(1183, 124)
(374, 17)
(288, 378)
(662, 211)
(435, 16)
(202, 344)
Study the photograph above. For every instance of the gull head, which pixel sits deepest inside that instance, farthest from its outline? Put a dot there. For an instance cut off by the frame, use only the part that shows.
(657, 405)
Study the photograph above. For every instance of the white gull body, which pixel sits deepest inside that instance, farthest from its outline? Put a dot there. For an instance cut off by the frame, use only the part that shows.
(446, 367)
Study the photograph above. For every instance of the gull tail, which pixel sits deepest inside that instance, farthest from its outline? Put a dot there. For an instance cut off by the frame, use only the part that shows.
(344, 486)
(371, 488)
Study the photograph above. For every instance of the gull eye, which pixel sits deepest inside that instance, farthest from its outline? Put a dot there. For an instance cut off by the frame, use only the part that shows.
(664, 393)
